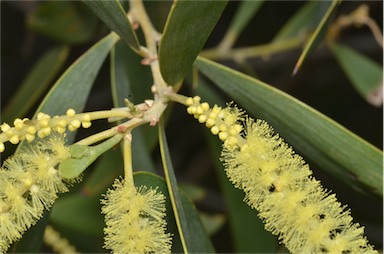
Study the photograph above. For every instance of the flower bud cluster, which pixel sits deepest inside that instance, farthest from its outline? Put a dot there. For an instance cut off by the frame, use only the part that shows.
(279, 185)
(134, 219)
(44, 125)
(222, 122)
(29, 183)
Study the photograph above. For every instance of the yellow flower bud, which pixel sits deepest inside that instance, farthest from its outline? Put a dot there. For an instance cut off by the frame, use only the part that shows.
(14, 140)
(4, 127)
(19, 124)
(189, 101)
(86, 124)
(71, 112)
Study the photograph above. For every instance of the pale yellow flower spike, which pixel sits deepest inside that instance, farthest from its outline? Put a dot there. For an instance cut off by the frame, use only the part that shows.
(43, 126)
(29, 183)
(279, 185)
(59, 244)
(134, 220)
(134, 217)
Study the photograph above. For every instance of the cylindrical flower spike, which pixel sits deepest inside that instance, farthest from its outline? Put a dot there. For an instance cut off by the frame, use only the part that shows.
(59, 244)
(279, 185)
(134, 219)
(29, 182)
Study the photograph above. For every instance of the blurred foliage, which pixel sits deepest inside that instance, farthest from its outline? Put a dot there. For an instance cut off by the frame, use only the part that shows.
(341, 77)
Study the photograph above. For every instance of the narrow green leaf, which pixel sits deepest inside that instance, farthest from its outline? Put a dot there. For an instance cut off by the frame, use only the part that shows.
(199, 239)
(177, 206)
(316, 136)
(187, 235)
(83, 156)
(66, 21)
(316, 36)
(304, 20)
(188, 26)
(243, 15)
(72, 89)
(247, 230)
(365, 74)
(114, 16)
(35, 83)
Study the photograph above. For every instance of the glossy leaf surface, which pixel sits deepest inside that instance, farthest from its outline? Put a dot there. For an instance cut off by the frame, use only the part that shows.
(316, 136)
(365, 74)
(83, 156)
(35, 83)
(317, 36)
(243, 15)
(113, 15)
(304, 20)
(188, 26)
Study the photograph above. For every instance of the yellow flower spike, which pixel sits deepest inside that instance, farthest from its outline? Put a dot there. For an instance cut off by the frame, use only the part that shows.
(29, 183)
(134, 219)
(278, 184)
(57, 242)
(2, 147)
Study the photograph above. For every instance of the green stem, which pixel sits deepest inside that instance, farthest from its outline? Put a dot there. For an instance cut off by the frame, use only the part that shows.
(127, 153)
(254, 51)
(177, 98)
